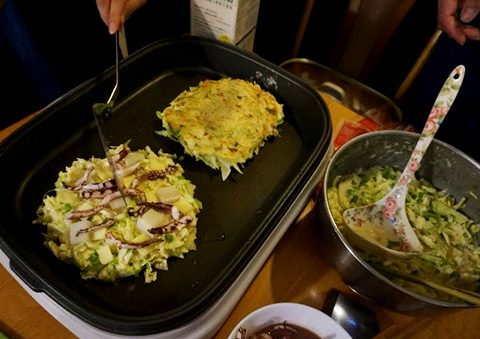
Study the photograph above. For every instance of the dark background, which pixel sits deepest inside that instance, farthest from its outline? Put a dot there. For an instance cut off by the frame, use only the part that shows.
(50, 47)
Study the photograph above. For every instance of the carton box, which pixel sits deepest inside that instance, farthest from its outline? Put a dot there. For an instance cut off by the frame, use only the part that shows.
(232, 21)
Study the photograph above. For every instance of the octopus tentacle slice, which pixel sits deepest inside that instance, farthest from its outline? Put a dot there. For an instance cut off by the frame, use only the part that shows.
(144, 206)
(105, 201)
(99, 189)
(84, 213)
(153, 175)
(128, 244)
(106, 223)
(81, 182)
(124, 171)
(128, 191)
(100, 185)
(118, 158)
(174, 225)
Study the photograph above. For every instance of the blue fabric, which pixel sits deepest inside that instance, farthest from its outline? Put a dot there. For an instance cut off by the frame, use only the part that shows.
(14, 34)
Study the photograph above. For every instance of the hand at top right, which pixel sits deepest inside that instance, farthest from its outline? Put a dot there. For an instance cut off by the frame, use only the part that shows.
(454, 16)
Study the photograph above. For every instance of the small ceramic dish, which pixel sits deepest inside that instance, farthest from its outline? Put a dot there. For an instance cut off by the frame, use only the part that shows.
(292, 313)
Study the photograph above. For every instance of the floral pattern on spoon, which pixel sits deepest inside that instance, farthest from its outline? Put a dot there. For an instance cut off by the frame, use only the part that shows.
(384, 225)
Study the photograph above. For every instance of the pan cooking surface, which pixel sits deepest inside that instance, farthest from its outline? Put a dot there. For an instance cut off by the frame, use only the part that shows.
(237, 216)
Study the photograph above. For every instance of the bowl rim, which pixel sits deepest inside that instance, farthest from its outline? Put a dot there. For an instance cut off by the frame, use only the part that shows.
(276, 309)
(350, 249)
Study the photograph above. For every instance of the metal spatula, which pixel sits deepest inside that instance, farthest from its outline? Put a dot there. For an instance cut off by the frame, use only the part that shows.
(102, 112)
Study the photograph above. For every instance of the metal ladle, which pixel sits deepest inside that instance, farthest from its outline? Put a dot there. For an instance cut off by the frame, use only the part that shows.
(383, 227)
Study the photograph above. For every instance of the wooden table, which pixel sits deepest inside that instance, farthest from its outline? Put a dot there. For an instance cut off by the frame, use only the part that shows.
(294, 272)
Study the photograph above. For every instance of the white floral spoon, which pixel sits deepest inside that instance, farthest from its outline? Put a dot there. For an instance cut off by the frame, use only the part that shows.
(383, 227)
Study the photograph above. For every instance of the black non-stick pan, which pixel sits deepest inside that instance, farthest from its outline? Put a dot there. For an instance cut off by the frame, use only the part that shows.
(237, 216)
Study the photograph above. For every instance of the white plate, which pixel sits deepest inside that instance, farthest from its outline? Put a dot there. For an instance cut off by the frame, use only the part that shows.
(297, 314)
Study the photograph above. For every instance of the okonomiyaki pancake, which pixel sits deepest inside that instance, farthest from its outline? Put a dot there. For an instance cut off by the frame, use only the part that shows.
(222, 122)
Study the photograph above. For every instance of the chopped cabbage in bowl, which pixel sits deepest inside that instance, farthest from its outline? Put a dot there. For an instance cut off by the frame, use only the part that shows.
(451, 254)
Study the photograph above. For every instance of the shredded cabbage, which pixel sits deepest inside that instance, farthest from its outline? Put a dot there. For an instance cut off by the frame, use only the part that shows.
(451, 254)
(94, 254)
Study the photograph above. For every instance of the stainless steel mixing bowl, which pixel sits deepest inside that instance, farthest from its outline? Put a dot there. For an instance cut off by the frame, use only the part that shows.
(443, 165)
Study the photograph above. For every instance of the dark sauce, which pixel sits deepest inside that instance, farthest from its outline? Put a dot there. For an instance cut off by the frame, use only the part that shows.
(284, 331)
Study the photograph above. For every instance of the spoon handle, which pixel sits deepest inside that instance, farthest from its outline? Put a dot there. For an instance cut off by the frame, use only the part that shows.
(439, 110)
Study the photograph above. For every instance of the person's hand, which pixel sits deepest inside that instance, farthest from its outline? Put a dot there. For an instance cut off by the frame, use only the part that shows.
(115, 12)
(456, 26)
